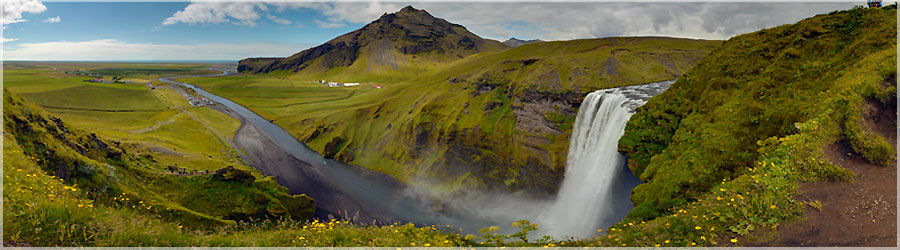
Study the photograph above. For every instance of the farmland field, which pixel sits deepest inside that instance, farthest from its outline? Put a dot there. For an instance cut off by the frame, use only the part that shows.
(158, 122)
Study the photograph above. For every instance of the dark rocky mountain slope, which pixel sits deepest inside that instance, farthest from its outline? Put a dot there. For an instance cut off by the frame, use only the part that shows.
(408, 32)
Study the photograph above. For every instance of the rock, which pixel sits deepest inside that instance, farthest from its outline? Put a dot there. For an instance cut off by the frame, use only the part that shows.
(232, 174)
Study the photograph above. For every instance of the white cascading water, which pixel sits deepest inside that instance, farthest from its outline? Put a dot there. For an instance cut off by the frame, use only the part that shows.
(596, 190)
(589, 197)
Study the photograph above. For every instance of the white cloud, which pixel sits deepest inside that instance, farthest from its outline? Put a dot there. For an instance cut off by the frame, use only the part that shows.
(328, 25)
(112, 49)
(356, 12)
(563, 21)
(7, 39)
(543, 20)
(279, 20)
(336, 14)
(13, 9)
(245, 13)
(52, 20)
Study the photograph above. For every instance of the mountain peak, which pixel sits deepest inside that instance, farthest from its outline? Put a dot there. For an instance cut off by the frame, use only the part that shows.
(515, 42)
(391, 38)
(409, 8)
(409, 12)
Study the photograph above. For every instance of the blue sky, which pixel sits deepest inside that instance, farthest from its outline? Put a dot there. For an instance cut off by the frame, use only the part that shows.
(35, 30)
(142, 22)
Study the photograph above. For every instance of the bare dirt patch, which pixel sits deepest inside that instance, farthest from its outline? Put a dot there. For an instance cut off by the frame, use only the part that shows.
(862, 213)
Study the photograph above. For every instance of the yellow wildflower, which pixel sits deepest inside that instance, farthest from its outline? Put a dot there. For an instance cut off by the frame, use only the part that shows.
(697, 227)
(427, 244)
(733, 240)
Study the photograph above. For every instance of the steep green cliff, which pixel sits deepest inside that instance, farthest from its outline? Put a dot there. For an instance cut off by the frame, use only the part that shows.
(752, 119)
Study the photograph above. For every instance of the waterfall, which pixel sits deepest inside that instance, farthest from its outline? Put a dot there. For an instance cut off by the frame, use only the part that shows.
(596, 189)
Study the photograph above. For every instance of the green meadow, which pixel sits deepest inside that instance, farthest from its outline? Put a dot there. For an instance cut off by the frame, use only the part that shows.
(157, 122)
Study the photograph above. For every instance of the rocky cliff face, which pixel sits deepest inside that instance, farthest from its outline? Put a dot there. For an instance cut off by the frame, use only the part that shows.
(407, 32)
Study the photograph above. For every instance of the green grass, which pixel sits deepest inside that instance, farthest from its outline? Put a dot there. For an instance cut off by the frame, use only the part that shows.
(162, 125)
(99, 194)
(752, 119)
(98, 97)
(42, 210)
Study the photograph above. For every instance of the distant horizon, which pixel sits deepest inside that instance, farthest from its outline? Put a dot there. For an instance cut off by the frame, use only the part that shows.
(126, 61)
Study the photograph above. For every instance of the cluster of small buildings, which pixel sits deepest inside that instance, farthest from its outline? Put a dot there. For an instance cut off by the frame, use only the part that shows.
(198, 101)
(346, 84)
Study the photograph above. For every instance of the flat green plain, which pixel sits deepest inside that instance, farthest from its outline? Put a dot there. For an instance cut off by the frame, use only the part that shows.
(158, 122)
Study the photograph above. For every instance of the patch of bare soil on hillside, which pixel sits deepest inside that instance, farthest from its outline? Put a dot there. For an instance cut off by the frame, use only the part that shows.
(862, 213)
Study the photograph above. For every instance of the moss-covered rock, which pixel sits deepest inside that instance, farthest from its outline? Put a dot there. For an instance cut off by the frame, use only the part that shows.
(232, 174)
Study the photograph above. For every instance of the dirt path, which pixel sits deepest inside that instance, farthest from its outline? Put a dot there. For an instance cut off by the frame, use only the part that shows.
(216, 133)
(157, 125)
(862, 213)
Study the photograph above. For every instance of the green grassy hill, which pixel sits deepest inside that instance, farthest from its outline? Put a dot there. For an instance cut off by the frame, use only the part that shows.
(496, 119)
(157, 122)
(723, 149)
(107, 173)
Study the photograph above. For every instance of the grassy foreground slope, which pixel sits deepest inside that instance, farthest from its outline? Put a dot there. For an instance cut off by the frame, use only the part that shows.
(490, 120)
(98, 172)
(723, 149)
(42, 210)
